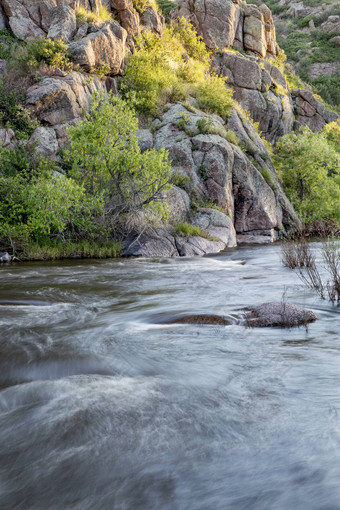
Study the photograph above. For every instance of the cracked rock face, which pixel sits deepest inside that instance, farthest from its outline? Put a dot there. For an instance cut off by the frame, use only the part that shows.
(225, 23)
(255, 83)
(221, 173)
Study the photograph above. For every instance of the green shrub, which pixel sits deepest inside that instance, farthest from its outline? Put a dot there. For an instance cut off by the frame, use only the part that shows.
(166, 6)
(53, 53)
(213, 96)
(165, 68)
(180, 180)
(13, 114)
(34, 205)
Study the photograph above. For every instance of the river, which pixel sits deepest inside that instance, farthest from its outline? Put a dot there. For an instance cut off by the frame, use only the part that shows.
(103, 406)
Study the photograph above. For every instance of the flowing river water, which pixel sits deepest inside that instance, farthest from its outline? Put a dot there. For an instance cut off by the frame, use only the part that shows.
(103, 406)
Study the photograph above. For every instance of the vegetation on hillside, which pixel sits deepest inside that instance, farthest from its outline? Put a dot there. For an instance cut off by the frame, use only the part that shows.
(305, 43)
(309, 165)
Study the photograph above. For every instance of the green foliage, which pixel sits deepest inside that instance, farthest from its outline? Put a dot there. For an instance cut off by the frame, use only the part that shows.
(13, 114)
(166, 68)
(310, 169)
(213, 96)
(102, 70)
(35, 205)
(107, 160)
(53, 53)
(166, 6)
(140, 5)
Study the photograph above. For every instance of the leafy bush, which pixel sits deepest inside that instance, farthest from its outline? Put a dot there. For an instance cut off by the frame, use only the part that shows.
(13, 114)
(213, 96)
(53, 53)
(165, 68)
(106, 160)
(35, 205)
(310, 170)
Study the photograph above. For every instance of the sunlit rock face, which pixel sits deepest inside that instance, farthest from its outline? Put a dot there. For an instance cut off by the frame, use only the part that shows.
(223, 24)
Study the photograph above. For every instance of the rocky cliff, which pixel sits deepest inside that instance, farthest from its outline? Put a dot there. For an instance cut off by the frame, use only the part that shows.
(226, 182)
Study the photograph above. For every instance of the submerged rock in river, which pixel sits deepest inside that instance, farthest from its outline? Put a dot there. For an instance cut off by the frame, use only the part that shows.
(279, 314)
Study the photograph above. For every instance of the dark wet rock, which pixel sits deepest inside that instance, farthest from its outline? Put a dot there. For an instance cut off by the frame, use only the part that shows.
(279, 314)
(201, 320)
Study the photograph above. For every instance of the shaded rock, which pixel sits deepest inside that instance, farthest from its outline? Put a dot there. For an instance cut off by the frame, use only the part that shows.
(107, 45)
(58, 100)
(310, 111)
(178, 203)
(279, 314)
(201, 320)
(145, 139)
(152, 20)
(3, 20)
(197, 246)
(155, 244)
(7, 139)
(45, 141)
(217, 225)
(255, 203)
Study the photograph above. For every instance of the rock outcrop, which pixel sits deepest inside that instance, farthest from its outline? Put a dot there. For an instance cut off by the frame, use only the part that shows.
(226, 23)
(261, 89)
(107, 45)
(311, 112)
(221, 173)
(57, 101)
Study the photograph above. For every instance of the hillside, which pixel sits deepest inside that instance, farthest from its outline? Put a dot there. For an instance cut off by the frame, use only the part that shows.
(169, 137)
(309, 33)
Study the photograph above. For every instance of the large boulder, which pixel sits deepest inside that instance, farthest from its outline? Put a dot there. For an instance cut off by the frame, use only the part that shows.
(57, 100)
(217, 225)
(44, 141)
(107, 45)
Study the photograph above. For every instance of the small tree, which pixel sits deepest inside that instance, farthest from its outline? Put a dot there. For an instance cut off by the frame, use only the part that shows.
(106, 158)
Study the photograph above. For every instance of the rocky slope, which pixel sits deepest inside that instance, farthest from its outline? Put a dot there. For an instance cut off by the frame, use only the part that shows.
(309, 32)
(224, 164)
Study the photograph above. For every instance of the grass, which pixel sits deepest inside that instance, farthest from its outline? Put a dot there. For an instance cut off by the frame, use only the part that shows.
(70, 249)
(184, 229)
(85, 16)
